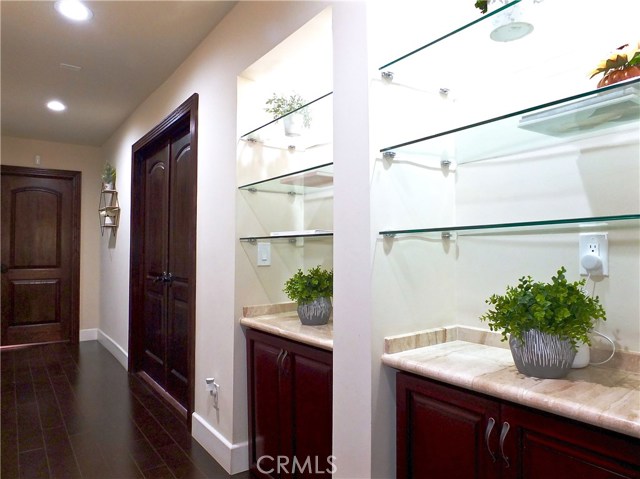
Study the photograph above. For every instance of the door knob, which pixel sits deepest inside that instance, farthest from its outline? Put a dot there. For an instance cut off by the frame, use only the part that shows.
(164, 278)
(160, 278)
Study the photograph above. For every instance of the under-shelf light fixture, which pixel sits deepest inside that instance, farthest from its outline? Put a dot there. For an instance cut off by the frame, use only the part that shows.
(509, 24)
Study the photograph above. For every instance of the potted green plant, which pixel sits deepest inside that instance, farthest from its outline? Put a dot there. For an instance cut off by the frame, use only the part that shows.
(312, 291)
(544, 323)
(108, 177)
(291, 110)
(622, 64)
(482, 5)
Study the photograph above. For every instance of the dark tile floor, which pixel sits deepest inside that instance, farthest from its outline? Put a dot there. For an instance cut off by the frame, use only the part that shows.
(72, 411)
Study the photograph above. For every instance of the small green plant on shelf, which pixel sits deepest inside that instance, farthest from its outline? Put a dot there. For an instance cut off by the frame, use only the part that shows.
(307, 287)
(280, 105)
(482, 5)
(109, 175)
(558, 308)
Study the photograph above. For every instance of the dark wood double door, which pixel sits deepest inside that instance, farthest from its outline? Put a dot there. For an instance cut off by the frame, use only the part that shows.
(163, 262)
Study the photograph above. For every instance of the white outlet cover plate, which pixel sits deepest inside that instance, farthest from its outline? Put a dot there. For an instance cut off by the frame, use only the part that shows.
(264, 254)
(587, 242)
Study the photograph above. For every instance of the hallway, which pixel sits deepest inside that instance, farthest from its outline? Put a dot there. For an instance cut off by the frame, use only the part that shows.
(72, 411)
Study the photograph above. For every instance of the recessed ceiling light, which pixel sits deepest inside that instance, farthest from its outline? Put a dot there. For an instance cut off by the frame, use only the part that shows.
(56, 105)
(73, 10)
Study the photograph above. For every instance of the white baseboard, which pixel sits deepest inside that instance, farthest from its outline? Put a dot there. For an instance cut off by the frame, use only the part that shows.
(233, 457)
(114, 348)
(89, 334)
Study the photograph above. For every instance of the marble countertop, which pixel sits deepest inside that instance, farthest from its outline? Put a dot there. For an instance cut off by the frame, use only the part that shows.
(282, 320)
(603, 396)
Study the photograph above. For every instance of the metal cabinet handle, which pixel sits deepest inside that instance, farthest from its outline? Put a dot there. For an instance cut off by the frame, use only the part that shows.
(503, 436)
(279, 358)
(487, 433)
(284, 357)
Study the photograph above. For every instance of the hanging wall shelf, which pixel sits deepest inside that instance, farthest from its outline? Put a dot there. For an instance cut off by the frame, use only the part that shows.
(109, 209)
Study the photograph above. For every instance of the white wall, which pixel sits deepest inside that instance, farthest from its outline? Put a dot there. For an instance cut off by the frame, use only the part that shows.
(87, 160)
(436, 282)
(249, 31)
(421, 281)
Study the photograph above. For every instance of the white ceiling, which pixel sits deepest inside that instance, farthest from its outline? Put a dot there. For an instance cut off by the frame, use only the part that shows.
(125, 52)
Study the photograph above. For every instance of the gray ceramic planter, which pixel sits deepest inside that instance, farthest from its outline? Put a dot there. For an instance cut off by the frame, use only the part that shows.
(316, 312)
(542, 355)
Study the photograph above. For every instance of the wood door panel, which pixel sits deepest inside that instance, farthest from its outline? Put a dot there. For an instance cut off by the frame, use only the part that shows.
(36, 226)
(178, 346)
(154, 346)
(544, 457)
(545, 445)
(40, 255)
(34, 302)
(264, 403)
(433, 424)
(155, 214)
(312, 413)
(182, 226)
(440, 431)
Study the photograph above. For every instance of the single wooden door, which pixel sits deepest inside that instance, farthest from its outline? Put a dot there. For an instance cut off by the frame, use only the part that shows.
(40, 255)
(163, 257)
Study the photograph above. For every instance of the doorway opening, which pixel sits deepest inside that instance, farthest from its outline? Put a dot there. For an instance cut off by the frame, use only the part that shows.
(163, 257)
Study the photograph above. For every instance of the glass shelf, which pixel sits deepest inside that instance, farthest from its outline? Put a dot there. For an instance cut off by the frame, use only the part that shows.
(298, 182)
(319, 133)
(404, 62)
(542, 126)
(292, 237)
(490, 78)
(569, 225)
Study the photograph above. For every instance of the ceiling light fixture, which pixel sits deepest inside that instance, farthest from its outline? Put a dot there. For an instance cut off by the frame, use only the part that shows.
(56, 105)
(73, 10)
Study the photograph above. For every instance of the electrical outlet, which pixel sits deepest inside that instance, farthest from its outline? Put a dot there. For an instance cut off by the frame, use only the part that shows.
(212, 386)
(593, 256)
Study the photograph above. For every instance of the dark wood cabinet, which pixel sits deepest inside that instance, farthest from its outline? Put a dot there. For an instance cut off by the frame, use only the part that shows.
(448, 432)
(290, 408)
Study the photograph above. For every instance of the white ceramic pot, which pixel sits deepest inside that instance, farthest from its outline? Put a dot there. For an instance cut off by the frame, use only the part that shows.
(293, 124)
(583, 356)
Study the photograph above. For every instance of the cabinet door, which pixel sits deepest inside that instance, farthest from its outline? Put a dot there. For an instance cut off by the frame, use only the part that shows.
(441, 431)
(264, 404)
(311, 376)
(290, 408)
(544, 445)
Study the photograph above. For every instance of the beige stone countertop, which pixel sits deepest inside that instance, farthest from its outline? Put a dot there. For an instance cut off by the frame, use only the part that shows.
(282, 320)
(603, 396)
